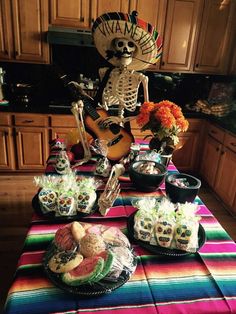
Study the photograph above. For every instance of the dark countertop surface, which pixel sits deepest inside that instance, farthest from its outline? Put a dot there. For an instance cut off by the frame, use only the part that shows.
(227, 122)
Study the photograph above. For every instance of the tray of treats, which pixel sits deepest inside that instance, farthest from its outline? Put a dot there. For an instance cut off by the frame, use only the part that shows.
(89, 260)
(163, 229)
(65, 197)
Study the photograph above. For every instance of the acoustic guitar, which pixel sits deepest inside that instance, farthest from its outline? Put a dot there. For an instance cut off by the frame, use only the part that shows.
(119, 140)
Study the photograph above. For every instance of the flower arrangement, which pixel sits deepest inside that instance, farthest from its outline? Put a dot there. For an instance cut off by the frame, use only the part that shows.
(164, 119)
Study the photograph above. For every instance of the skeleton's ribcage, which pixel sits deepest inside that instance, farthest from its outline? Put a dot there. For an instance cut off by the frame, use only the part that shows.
(122, 91)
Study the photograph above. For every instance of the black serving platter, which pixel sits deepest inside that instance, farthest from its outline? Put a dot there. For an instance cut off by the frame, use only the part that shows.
(86, 290)
(162, 250)
(38, 211)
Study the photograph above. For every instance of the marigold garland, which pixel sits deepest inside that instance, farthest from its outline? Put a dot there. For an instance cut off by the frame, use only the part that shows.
(164, 119)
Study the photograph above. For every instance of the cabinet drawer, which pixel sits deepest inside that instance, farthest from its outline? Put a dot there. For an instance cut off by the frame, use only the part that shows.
(230, 142)
(5, 119)
(216, 133)
(63, 121)
(31, 120)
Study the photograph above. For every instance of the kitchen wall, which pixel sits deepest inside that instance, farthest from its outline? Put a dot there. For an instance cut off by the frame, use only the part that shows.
(181, 88)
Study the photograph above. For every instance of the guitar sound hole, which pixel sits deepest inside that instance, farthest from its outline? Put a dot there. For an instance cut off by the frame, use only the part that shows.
(115, 128)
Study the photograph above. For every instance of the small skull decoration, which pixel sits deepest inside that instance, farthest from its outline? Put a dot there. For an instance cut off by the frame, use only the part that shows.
(143, 228)
(47, 200)
(164, 231)
(124, 50)
(62, 163)
(103, 167)
(85, 201)
(66, 205)
(183, 235)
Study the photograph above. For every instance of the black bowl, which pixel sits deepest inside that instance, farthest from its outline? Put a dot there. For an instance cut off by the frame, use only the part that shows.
(182, 194)
(147, 182)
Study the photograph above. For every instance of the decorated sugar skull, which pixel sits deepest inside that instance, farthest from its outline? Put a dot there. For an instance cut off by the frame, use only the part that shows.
(124, 50)
(143, 228)
(85, 201)
(164, 232)
(63, 163)
(103, 167)
(47, 200)
(57, 145)
(65, 205)
(183, 235)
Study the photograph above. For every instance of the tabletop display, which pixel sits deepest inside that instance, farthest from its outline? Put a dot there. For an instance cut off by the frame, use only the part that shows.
(200, 282)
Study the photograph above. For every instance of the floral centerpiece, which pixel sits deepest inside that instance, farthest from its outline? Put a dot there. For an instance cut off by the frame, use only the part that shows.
(165, 120)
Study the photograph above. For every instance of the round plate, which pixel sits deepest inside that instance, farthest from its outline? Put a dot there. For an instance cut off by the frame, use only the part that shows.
(89, 290)
(38, 211)
(162, 250)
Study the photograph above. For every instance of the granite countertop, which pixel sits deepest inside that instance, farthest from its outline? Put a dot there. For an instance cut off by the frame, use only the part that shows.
(227, 122)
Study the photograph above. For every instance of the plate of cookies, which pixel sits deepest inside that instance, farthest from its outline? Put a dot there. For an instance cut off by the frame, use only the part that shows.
(89, 260)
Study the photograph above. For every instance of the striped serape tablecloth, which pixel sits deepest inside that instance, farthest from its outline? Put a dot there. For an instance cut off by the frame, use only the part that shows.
(204, 282)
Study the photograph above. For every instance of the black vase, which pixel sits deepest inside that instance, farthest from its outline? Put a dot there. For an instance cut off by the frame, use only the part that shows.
(165, 146)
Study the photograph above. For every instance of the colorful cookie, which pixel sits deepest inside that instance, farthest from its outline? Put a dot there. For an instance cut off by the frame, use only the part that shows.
(64, 261)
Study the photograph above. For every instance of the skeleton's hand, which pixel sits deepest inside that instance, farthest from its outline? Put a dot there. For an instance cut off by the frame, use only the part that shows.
(108, 197)
(111, 120)
(112, 189)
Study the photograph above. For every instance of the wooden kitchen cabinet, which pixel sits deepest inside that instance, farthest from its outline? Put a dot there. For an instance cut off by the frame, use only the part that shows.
(216, 37)
(7, 155)
(61, 125)
(5, 30)
(218, 166)
(24, 25)
(186, 157)
(198, 36)
(31, 141)
(70, 13)
(179, 39)
(32, 151)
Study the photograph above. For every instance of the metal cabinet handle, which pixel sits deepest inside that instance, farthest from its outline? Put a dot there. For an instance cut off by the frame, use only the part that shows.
(233, 144)
(197, 65)
(81, 19)
(163, 63)
(213, 132)
(222, 153)
(92, 20)
(28, 121)
(217, 149)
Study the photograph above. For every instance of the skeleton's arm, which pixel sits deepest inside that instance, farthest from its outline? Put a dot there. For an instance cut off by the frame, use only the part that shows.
(77, 110)
(144, 80)
(112, 189)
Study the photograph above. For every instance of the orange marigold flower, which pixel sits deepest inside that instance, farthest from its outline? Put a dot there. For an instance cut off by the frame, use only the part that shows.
(168, 121)
(176, 111)
(143, 118)
(182, 123)
(147, 107)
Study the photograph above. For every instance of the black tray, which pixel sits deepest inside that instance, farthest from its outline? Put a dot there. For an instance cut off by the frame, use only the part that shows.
(38, 211)
(86, 290)
(162, 250)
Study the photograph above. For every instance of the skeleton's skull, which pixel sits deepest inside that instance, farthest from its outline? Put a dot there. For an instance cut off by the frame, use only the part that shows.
(65, 205)
(63, 163)
(124, 49)
(85, 201)
(103, 167)
(47, 200)
(183, 235)
(143, 228)
(164, 232)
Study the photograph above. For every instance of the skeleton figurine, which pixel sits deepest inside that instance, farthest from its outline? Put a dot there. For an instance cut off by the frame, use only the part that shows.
(62, 163)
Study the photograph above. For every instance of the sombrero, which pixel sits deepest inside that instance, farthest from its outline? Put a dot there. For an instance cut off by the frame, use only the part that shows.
(113, 25)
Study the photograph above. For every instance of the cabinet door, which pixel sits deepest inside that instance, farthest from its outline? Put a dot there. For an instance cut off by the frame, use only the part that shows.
(215, 38)
(32, 148)
(180, 34)
(184, 156)
(7, 158)
(6, 39)
(70, 13)
(102, 6)
(210, 160)
(30, 20)
(225, 185)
